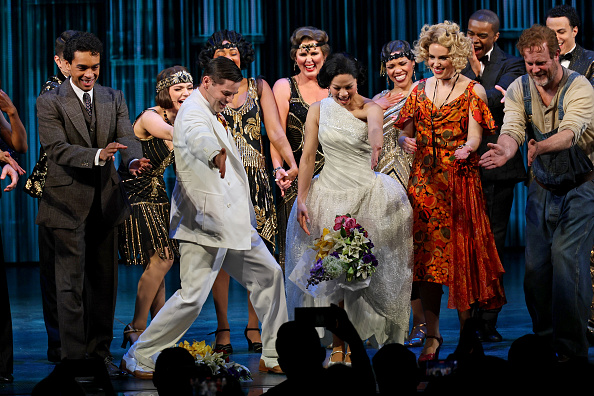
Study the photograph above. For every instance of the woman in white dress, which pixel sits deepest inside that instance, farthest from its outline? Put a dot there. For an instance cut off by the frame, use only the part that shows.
(349, 128)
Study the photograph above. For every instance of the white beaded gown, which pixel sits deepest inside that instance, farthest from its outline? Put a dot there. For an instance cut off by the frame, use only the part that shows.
(347, 184)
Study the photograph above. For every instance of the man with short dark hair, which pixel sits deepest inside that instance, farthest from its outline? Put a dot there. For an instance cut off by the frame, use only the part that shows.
(564, 21)
(34, 187)
(552, 108)
(214, 221)
(492, 68)
(81, 127)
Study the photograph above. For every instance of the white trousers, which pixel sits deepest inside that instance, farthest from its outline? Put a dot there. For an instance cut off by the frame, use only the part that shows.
(256, 270)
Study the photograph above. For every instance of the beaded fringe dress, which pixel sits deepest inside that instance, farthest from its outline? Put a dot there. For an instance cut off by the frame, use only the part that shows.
(147, 228)
(295, 131)
(245, 123)
(347, 184)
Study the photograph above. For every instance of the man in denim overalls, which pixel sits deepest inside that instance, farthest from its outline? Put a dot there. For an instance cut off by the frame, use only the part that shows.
(552, 108)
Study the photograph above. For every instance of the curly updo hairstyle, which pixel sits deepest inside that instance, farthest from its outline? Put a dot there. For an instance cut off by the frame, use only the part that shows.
(309, 33)
(214, 42)
(340, 63)
(448, 35)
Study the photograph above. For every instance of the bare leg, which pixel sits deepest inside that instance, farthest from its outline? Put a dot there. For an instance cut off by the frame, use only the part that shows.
(253, 323)
(149, 291)
(431, 299)
(418, 314)
(220, 296)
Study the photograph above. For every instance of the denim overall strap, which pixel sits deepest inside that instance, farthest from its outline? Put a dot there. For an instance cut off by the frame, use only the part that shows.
(560, 169)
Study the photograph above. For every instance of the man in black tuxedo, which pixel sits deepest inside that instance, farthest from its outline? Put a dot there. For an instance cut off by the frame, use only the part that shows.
(495, 70)
(81, 126)
(564, 21)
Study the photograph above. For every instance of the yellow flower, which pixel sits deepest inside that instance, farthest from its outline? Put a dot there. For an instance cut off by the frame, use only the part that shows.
(324, 244)
(197, 348)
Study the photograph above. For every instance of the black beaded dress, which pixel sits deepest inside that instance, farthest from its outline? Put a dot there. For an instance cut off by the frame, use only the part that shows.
(147, 228)
(245, 123)
(295, 131)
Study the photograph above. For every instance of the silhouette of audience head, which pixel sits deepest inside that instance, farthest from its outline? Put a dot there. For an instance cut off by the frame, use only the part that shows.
(175, 370)
(299, 349)
(396, 370)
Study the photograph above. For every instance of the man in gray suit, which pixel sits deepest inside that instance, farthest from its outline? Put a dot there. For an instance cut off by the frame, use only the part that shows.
(213, 219)
(81, 127)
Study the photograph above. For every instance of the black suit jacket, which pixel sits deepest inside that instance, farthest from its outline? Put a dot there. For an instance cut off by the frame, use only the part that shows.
(582, 61)
(502, 69)
(72, 178)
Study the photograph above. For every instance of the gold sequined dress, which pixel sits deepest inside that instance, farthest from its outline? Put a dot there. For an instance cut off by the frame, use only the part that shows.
(147, 228)
(295, 131)
(393, 161)
(245, 123)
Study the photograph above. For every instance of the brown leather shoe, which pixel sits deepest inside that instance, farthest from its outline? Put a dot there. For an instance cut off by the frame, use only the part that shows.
(145, 375)
(263, 367)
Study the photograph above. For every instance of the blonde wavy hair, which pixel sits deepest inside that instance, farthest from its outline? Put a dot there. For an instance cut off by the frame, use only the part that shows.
(448, 35)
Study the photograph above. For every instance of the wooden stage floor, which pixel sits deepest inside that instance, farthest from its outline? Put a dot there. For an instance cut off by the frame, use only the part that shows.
(30, 340)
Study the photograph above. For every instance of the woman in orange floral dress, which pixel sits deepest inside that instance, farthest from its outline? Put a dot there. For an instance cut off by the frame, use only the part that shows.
(442, 123)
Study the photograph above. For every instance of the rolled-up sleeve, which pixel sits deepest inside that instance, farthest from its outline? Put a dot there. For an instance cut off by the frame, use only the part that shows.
(578, 106)
(514, 119)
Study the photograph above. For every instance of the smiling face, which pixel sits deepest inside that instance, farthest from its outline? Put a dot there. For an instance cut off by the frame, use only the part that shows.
(440, 62)
(565, 33)
(400, 71)
(218, 95)
(482, 36)
(343, 89)
(309, 60)
(179, 92)
(230, 53)
(84, 69)
(540, 66)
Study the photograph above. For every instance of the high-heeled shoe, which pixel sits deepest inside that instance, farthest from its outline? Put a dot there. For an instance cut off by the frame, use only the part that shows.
(225, 349)
(130, 335)
(431, 356)
(417, 335)
(331, 363)
(253, 346)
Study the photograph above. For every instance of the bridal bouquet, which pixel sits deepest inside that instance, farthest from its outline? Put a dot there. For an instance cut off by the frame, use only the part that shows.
(215, 361)
(344, 250)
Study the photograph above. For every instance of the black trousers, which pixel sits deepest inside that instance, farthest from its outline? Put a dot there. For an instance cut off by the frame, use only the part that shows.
(6, 351)
(47, 278)
(86, 286)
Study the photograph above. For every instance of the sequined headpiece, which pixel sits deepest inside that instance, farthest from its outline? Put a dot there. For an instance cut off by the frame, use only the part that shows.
(181, 76)
(309, 46)
(385, 59)
(225, 46)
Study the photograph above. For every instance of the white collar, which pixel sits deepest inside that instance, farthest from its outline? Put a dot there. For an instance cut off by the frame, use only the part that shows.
(206, 103)
(488, 54)
(79, 92)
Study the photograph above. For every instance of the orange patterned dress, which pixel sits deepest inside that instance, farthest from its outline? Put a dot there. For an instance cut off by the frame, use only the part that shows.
(453, 243)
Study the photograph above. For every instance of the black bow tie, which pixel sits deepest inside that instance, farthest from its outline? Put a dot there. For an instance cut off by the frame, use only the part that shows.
(566, 56)
(484, 60)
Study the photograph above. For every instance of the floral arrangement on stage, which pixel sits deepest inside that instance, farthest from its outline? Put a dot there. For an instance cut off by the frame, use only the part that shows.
(344, 250)
(215, 361)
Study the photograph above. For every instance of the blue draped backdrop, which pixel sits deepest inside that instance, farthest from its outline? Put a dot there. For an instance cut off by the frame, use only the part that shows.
(141, 37)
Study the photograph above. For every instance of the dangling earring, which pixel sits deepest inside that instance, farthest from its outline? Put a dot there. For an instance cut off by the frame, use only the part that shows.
(414, 76)
(295, 68)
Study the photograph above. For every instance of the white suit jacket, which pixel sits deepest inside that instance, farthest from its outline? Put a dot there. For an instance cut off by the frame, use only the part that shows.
(206, 209)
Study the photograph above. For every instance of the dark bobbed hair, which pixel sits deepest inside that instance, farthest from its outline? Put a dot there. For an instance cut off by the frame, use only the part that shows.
(82, 42)
(567, 11)
(163, 98)
(309, 33)
(61, 41)
(395, 46)
(486, 16)
(245, 48)
(340, 63)
(222, 68)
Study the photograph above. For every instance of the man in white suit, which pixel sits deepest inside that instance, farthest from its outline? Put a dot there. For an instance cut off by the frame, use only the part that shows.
(214, 221)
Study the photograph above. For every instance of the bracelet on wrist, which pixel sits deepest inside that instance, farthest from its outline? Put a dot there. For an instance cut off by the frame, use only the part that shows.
(463, 145)
(276, 170)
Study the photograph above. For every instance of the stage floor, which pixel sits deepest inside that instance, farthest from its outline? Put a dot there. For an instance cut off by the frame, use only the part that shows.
(30, 340)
